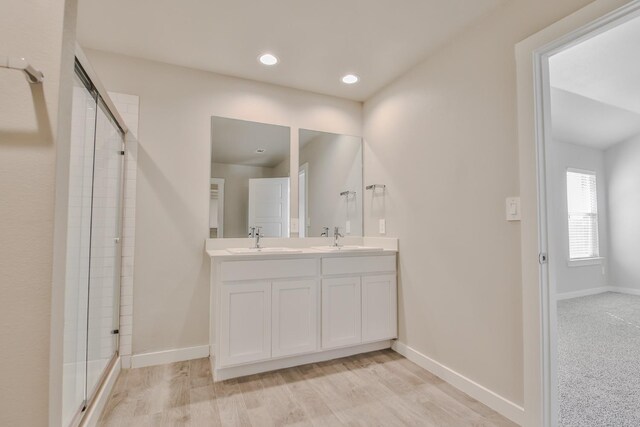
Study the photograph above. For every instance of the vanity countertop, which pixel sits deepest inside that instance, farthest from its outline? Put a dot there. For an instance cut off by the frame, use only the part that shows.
(300, 252)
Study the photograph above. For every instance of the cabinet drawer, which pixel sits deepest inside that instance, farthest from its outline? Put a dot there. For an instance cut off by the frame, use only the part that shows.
(267, 269)
(359, 264)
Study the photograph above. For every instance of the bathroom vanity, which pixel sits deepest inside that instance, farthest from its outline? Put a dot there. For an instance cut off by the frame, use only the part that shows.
(282, 307)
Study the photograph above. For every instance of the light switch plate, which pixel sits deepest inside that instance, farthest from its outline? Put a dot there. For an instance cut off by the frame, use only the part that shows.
(382, 226)
(347, 227)
(513, 209)
(294, 225)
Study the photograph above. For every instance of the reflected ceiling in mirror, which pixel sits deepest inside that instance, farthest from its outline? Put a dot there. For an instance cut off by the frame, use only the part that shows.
(330, 183)
(249, 178)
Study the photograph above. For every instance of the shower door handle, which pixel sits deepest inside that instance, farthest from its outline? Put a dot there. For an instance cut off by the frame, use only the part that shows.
(116, 240)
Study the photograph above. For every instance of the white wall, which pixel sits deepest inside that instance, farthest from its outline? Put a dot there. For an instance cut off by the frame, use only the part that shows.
(443, 139)
(623, 179)
(574, 278)
(171, 277)
(335, 165)
(34, 154)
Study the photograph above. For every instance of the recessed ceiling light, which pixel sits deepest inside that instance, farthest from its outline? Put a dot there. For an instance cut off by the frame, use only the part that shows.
(350, 79)
(260, 150)
(268, 59)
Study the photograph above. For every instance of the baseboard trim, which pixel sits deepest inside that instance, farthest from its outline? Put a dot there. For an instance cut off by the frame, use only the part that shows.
(92, 415)
(583, 293)
(125, 361)
(596, 291)
(169, 356)
(620, 290)
(482, 394)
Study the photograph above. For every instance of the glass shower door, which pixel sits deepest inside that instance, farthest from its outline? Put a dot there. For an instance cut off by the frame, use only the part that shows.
(83, 123)
(92, 288)
(104, 283)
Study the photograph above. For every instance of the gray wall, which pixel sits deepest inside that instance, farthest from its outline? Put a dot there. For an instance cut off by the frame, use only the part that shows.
(623, 178)
(574, 278)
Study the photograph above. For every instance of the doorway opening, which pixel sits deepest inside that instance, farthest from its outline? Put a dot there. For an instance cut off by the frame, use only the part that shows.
(588, 105)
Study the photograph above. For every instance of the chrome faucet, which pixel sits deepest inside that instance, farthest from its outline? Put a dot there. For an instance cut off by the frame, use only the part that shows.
(336, 235)
(325, 232)
(257, 234)
(252, 232)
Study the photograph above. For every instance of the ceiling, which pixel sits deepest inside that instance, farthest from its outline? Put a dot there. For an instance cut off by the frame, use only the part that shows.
(317, 42)
(235, 142)
(585, 121)
(595, 95)
(605, 68)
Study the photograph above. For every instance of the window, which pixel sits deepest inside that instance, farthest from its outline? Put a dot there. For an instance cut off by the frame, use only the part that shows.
(582, 204)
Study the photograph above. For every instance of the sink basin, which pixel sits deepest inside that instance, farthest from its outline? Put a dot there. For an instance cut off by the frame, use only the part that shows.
(347, 248)
(251, 251)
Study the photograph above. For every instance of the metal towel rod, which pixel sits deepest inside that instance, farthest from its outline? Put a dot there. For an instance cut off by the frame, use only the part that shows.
(33, 75)
(374, 186)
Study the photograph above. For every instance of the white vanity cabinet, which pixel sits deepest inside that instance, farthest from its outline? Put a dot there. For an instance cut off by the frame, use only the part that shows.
(360, 305)
(245, 322)
(295, 306)
(274, 311)
(341, 312)
(379, 307)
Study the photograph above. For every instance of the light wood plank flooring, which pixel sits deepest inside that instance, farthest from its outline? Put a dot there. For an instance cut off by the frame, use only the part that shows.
(374, 389)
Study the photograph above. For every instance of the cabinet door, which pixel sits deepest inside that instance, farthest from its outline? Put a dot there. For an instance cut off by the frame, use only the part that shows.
(379, 309)
(245, 323)
(295, 317)
(341, 319)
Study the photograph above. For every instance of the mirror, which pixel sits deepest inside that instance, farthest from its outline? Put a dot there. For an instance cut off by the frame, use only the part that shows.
(330, 183)
(249, 178)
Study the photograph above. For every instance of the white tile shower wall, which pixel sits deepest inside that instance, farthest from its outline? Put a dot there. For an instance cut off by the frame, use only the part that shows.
(128, 106)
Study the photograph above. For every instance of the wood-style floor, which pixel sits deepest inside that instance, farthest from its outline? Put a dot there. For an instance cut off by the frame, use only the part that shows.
(374, 389)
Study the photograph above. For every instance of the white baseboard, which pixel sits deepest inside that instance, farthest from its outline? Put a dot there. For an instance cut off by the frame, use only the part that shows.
(621, 290)
(169, 356)
(482, 394)
(582, 293)
(125, 361)
(596, 291)
(92, 415)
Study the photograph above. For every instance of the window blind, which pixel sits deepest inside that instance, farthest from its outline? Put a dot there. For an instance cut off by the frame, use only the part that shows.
(582, 204)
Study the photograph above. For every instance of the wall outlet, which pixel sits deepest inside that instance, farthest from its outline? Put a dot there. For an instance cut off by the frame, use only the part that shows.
(347, 227)
(382, 226)
(294, 226)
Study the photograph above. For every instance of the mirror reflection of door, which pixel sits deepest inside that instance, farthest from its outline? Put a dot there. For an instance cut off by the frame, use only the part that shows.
(252, 161)
(216, 209)
(303, 200)
(269, 206)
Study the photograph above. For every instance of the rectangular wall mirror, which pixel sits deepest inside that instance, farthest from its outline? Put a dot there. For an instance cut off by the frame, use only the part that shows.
(330, 183)
(249, 178)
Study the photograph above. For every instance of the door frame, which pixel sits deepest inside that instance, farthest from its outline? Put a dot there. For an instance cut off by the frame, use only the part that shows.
(539, 313)
(303, 228)
(220, 182)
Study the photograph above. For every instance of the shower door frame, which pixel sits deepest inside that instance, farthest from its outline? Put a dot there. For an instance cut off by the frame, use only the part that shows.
(86, 74)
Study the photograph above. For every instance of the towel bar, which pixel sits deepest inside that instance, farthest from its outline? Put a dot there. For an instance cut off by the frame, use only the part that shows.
(33, 75)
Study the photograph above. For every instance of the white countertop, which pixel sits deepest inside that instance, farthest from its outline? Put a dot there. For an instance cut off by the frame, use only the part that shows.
(216, 248)
(303, 252)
